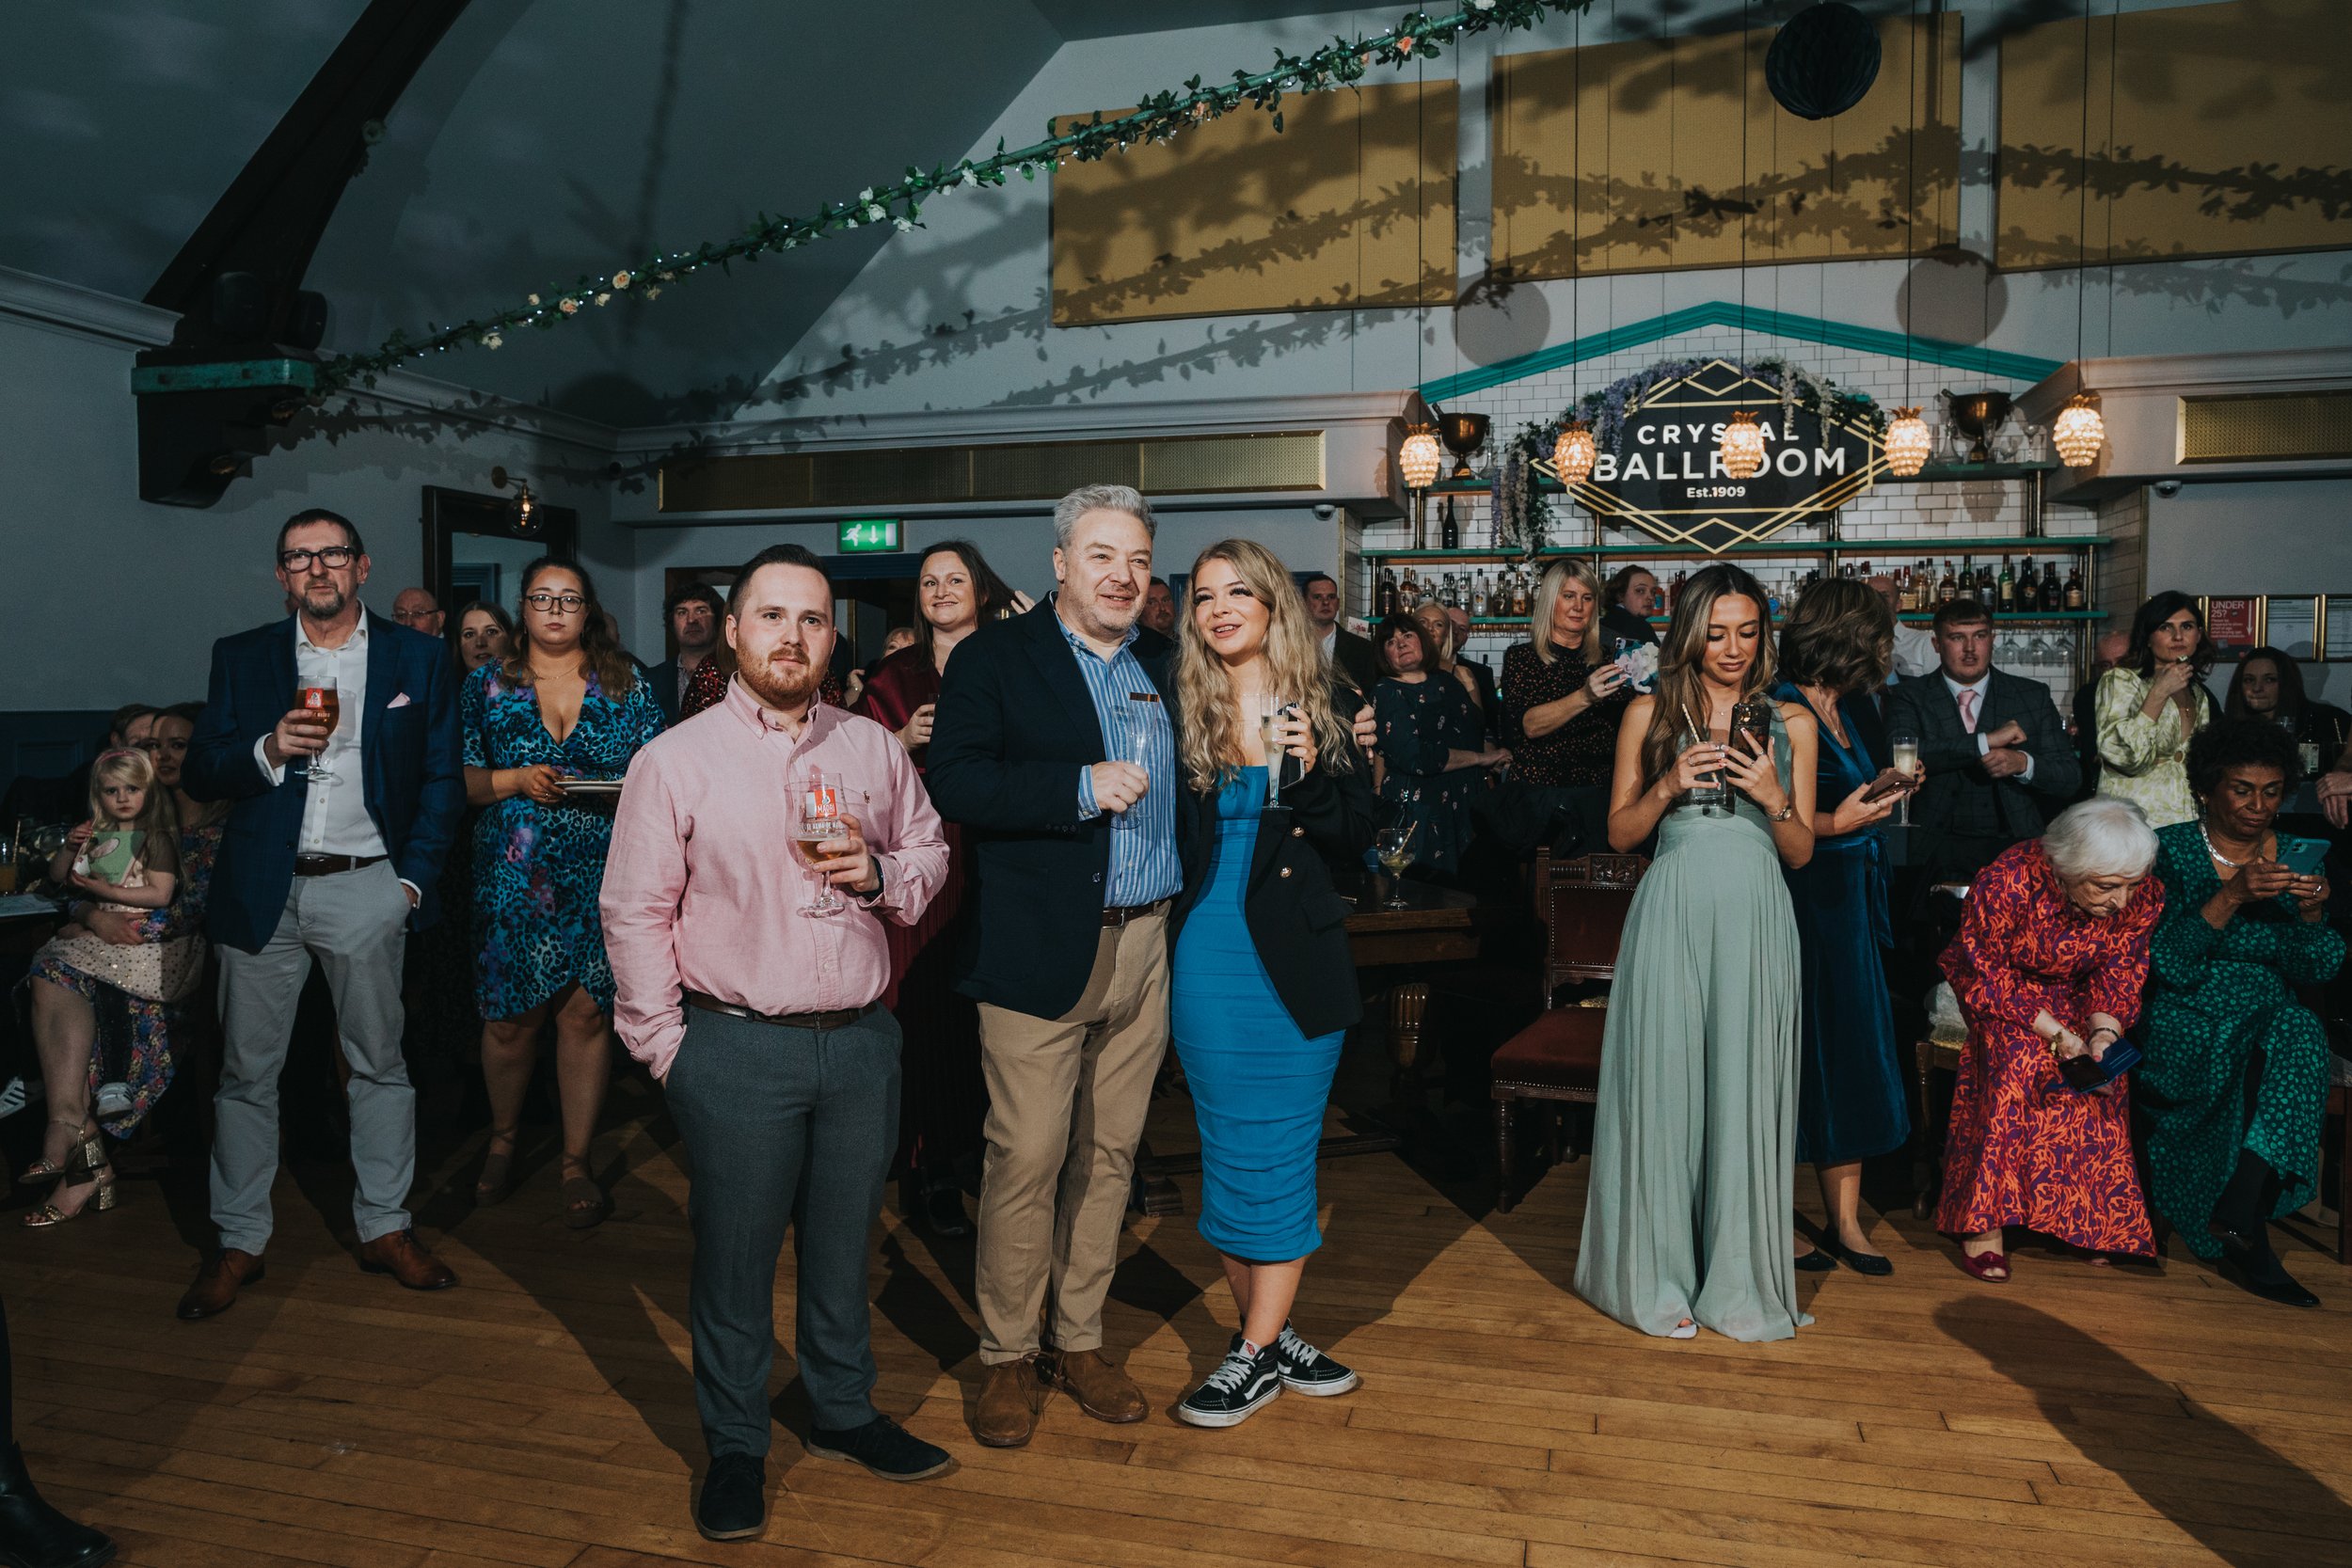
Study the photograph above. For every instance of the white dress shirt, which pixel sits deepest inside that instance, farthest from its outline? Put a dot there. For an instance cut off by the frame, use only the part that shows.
(1330, 643)
(1981, 685)
(335, 820)
(1914, 650)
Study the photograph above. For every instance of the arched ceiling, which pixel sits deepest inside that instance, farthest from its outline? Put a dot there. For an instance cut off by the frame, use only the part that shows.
(543, 140)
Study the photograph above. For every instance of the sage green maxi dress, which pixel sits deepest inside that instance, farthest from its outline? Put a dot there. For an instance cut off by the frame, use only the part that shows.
(1694, 1135)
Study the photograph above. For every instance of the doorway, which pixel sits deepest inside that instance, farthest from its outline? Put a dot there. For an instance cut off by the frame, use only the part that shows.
(475, 551)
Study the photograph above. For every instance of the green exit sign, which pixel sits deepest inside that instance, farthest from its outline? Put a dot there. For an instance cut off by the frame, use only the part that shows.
(867, 534)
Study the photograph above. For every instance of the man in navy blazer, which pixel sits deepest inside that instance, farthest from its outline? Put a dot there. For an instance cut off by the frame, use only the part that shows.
(331, 851)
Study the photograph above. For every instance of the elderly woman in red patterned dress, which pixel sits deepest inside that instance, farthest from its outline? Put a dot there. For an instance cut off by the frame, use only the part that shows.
(2049, 963)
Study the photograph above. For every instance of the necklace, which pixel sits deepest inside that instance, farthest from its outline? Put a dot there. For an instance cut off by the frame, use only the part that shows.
(2213, 852)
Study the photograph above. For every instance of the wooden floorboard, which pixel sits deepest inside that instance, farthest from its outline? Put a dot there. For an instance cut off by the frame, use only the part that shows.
(541, 1416)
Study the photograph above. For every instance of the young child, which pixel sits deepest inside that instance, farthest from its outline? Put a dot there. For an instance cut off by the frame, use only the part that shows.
(127, 854)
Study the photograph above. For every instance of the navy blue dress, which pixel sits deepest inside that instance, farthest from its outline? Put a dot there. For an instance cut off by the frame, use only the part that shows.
(1850, 1103)
(1420, 721)
(538, 870)
(1258, 1087)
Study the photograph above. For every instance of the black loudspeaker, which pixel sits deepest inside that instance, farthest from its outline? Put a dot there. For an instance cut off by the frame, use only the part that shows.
(305, 323)
(1823, 61)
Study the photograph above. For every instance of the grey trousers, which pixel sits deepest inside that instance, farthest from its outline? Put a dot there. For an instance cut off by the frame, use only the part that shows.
(784, 1127)
(355, 923)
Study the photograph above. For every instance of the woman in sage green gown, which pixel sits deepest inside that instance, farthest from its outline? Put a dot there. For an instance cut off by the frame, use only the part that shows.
(1686, 1214)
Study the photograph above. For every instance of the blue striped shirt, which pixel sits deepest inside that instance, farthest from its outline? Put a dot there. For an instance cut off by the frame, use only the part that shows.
(1144, 865)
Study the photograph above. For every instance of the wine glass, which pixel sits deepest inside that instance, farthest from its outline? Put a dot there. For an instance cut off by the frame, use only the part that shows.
(820, 834)
(1395, 848)
(1904, 749)
(1134, 746)
(317, 697)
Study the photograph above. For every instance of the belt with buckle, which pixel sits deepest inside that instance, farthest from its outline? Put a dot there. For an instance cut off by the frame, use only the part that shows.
(1116, 916)
(840, 1017)
(329, 865)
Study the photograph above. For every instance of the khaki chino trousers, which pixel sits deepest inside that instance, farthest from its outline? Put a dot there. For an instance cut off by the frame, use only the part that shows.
(1066, 1099)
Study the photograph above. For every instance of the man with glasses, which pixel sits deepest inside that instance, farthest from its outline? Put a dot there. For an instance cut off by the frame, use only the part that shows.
(334, 842)
(419, 610)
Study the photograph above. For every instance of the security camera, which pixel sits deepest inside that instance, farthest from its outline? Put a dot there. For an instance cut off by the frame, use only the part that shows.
(1326, 511)
(2167, 488)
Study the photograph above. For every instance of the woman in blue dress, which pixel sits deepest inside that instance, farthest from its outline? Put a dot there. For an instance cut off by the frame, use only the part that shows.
(1833, 653)
(566, 710)
(1262, 988)
(1432, 746)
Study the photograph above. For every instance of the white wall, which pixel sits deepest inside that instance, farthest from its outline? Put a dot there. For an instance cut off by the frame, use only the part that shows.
(113, 599)
(2278, 536)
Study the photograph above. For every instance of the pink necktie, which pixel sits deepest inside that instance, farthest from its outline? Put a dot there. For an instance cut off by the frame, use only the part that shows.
(1968, 710)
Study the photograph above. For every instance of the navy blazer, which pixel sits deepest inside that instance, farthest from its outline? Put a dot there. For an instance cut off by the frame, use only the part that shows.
(411, 767)
(1013, 725)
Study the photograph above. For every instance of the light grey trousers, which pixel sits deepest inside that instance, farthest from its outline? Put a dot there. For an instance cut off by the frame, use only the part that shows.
(356, 924)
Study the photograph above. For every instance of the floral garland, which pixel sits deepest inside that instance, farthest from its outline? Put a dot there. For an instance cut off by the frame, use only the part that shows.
(1341, 63)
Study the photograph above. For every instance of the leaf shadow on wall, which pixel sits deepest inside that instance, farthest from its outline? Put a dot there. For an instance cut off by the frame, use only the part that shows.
(2235, 1495)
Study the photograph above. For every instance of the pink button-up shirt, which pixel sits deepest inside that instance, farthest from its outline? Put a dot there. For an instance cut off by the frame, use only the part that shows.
(702, 888)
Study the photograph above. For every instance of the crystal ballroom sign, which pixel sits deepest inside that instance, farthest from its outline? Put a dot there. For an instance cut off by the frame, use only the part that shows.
(1665, 474)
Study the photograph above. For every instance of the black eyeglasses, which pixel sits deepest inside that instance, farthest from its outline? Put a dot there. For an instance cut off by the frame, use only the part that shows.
(334, 558)
(568, 603)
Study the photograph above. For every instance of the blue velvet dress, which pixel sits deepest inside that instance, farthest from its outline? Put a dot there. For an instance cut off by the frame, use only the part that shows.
(1850, 1103)
(1258, 1087)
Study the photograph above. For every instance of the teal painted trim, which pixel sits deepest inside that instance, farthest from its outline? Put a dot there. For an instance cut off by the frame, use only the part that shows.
(1780, 323)
(148, 379)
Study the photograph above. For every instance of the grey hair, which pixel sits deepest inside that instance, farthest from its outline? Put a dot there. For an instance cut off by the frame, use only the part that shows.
(2100, 837)
(1099, 497)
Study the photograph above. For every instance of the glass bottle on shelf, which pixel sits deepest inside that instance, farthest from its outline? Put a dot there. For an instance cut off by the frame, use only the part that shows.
(1949, 588)
(1409, 593)
(1449, 527)
(2076, 598)
(1478, 596)
(1453, 598)
(1385, 599)
(2005, 591)
(1520, 593)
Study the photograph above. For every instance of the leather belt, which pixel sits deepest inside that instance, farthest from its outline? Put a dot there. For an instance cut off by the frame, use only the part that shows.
(1117, 917)
(330, 865)
(839, 1019)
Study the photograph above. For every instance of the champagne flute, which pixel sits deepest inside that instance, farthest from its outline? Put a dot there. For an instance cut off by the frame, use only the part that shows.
(1904, 750)
(1395, 848)
(317, 696)
(1134, 746)
(820, 834)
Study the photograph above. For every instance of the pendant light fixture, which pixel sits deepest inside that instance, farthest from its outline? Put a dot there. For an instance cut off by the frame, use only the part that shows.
(1908, 442)
(1743, 446)
(1572, 454)
(1420, 458)
(1742, 449)
(2080, 430)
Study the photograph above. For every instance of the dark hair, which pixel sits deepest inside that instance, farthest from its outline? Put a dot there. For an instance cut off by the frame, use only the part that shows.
(776, 555)
(2228, 743)
(2293, 700)
(1963, 612)
(1388, 627)
(189, 711)
(127, 712)
(694, 593)
(599, 650)
(990, 593)
(1160, 582)
(1840, 635)
(1317, 576)
(452, 631)
(2159, 609)
(1621, 579)
(318, 514)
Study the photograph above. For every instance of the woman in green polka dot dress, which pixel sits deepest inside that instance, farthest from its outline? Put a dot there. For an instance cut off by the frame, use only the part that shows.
(2236, 1071)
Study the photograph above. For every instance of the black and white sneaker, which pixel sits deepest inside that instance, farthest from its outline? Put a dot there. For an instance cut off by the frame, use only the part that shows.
(1306, 1369)
(1234, 1392)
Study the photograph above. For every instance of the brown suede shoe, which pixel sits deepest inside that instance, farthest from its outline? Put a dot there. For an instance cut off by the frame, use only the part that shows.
(217, 1283)
(1101, 1390)
(399, 1256)
(1011, 1399)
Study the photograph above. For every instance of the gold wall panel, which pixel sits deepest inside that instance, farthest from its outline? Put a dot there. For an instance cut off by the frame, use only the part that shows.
(2230, 135)
(910, 476)
(1351, 203)
(2265, 427)
(1669, 153)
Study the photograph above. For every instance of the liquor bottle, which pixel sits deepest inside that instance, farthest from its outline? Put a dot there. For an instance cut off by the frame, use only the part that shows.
(2053, 592)
(2028, 586)
(1409, 593)
(2076, 598)
(2005, 590)
(1388, 597)
(1988, 585)
(1519, 593)
(1449, 527)
(1946, 590)
(1452, 592)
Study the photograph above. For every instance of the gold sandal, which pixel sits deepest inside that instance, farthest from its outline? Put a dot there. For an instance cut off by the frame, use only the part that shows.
(45, 1172)
(87, 1163)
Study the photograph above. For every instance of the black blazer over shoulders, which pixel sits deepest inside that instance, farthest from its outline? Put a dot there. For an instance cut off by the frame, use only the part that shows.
(1924, 704)
(1316, 837)
(1013, 726)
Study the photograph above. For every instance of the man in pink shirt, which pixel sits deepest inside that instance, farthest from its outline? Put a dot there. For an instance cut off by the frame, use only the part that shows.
(759, 1018)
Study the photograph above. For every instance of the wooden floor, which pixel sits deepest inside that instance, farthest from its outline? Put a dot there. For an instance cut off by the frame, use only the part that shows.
(541, 1414)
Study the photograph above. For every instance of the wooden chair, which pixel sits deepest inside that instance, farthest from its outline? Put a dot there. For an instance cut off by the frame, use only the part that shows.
(1582, 904)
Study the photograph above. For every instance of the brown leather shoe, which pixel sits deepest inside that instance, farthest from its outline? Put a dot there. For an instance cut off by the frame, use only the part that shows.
(399, 1256)
(218, 1282)
(1101, 1390)
(1011, 1399)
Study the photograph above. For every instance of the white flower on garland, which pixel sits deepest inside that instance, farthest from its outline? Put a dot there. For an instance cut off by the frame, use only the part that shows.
(620, 280)
(873, 213)
(567, 306)
(904, 223)
(533, 298)
(867, 194)
(491, 339)
(603, 298)
(970, 178)
(653, 291)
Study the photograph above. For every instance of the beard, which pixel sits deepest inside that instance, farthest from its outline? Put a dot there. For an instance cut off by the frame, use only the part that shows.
(781, 683)
(322, 600)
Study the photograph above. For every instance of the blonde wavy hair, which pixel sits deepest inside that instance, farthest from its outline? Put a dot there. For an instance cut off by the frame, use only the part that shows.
(1556, 576)
(1209, 716)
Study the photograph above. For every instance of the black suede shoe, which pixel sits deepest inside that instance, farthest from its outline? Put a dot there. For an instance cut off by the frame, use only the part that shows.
(734, 1504)
(35, 1535)
(943, 1210)
(2260, 1272)
(1817, 1262)
(883, 1446)
(1868, 1263)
